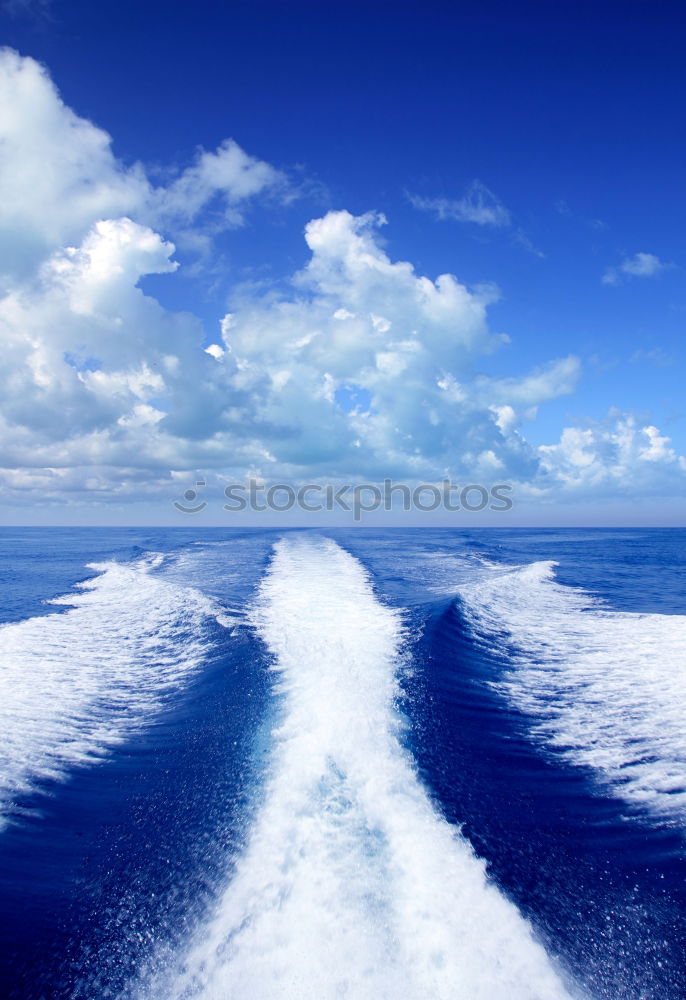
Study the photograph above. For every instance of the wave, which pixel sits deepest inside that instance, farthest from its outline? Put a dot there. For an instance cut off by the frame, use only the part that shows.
(351, 884)
(74, 684)
(605, 688)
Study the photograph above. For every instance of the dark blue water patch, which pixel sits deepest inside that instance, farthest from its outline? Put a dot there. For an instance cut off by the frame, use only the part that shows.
(606, 893)
(125, 856)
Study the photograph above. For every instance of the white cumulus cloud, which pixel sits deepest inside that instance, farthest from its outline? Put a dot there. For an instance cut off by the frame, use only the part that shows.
(59, 175)
(618, 456)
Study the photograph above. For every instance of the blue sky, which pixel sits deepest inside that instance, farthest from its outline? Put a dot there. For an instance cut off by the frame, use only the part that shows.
(535, 152)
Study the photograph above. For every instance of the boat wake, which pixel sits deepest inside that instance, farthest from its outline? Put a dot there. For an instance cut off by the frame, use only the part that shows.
(351, 884)
(605, 688)
(76, 683)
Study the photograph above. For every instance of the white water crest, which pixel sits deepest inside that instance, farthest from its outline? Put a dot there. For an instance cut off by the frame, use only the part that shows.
(75, 683)
(351, 884)
(603, 687)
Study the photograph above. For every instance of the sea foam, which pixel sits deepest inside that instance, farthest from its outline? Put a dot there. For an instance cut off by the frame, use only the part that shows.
(603, 687)
(351, 884)
(74, 684)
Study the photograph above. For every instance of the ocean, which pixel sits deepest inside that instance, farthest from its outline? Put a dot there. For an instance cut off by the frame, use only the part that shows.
(363, 764)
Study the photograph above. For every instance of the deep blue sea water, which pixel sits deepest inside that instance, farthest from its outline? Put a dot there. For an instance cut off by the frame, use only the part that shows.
(350, 763)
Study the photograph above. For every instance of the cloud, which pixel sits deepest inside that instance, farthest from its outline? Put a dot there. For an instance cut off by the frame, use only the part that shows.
(478, 205)
(363, 369)
(100, 376)
(229, 175)
(641, 265)
(557, 378)
(367, 324)
(358, 367)
(619, 456)
(59, 175)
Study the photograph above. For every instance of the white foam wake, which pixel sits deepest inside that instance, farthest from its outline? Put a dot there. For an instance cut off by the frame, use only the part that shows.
(351, 884)
(606, 688)
(76, 683)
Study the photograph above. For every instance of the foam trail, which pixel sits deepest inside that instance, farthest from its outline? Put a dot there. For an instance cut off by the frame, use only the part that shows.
(603, 687)
(74, 684)
(351, 884)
